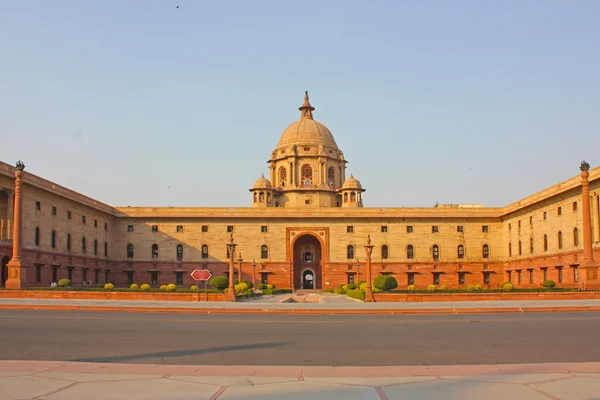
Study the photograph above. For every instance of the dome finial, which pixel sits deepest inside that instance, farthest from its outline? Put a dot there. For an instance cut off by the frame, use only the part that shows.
(306, 108)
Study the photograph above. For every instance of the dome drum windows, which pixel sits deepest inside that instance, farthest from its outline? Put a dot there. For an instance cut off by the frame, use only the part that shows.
(179, 252)
(282, 176)
(461, 251)
(410, 251)
(204, 251)
(384, 252)
(154, 251)
(307, 175)
(264, 252)
(485, 251)
(350, 252)
(435, 251)
(129, 250)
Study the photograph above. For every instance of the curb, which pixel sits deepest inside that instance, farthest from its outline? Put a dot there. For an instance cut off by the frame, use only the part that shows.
(422, 311)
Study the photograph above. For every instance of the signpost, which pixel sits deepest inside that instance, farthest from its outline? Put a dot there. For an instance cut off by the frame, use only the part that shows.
(201, 275)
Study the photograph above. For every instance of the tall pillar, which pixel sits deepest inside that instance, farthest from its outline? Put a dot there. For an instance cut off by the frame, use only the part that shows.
(368, 291)
(240, 260)
(231, 289)
(588, 266)
(10, 215)
(596, 218)
(16, 270)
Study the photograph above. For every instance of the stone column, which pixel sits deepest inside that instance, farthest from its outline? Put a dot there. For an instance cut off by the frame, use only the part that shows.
(231, 289)
(588, 266)
(16, 269)
(368, 291)
(240, 260)
(10, 215)
(595, 218)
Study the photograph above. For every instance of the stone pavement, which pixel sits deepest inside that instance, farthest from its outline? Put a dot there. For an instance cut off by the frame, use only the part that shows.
(325, 303)
(49, 380)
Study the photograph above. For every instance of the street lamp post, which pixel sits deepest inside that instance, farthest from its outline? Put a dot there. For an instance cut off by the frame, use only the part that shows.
(254, 274)
(240, 260)
(357, 271)
(369, 250)
(231, 290)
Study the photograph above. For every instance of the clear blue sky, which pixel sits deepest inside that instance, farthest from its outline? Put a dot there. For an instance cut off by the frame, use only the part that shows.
(449, 101)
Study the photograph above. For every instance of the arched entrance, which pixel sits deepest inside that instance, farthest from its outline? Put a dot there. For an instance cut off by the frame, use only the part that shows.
(4, 273)
(307, 263)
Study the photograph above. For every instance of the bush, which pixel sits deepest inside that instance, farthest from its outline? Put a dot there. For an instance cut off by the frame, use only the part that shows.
(478, 288)
(339, 291)
(356, 294)
(269, 286)
(431, 288)
(344, 287)
(360, 283)
(351, 286)
(470, 288)
(194, 288)
(109, 286)
(507, 286)
(547, 284)
(145, 287)
(249, 283)
(328, 290)
(385, 283)
(171, 287)
(261, 286)
(411, 288)
(219, 282)
(363, 286)
(241, 288)
(443, 288)
(162, 287)
(64, 282)
(134, 286)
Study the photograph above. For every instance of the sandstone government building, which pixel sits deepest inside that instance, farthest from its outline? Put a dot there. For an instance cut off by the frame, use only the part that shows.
(305, 228)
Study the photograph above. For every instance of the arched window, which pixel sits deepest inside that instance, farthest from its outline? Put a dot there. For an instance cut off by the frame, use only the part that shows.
(282, 176)
(154, 251)
(268, 197)
(95, 247)
(352, 197)
(346, 197)
(559, 239)
(575, 237)
(261, 197)
(83, 245)
(436, 252)
(461, 251)
(264, 251)
(410, 251)
(545, 243)
(384, 251)
(255, 197)
(331, 177)
(37, 235)
(307, 175)
(129, 250)
(53, 239)
(486, 251)
(179, 252)
(204, 251)
(350, 252)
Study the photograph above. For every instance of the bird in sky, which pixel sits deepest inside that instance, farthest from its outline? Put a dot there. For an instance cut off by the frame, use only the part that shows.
(177, 7)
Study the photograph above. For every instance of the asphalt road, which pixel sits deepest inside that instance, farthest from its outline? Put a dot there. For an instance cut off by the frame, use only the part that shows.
(299, 340)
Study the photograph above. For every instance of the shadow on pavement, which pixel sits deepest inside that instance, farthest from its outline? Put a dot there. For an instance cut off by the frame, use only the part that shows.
(179, 353)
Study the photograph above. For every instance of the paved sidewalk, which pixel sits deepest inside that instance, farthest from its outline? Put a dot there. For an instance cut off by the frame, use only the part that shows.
(49, 380)
(328, 303)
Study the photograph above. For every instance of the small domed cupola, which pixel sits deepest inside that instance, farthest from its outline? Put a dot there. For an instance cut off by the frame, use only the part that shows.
(351, 192)
(262, 193)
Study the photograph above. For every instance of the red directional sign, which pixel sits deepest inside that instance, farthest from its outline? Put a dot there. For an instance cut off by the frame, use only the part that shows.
(201, 274)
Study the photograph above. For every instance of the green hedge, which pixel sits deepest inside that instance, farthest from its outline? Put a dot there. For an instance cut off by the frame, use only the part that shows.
(499, 290)
(276, 291)
(385, 283)
(356, 294)
(96, 289)
(328, 290)
(339, 291)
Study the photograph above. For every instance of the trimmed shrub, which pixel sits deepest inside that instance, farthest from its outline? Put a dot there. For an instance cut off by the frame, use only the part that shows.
(241, 288)
(363, 286)
(478, 287)
(219, 282)
(411, 288)
(249, 283)
(507, 286)
(339, 291)
(328, 290)
(351, 286)
(134, 286)
(269, 286)
(344, 287)
(261, 286)
(547, 284)
(162, 287)
(109, 286)
(443, 288)
(385, 282)
(431, 288)
(194, 288)
(360, 283)
(171, 287)
(64, 282)
(470, 288)
(356, 294)
(145, 287)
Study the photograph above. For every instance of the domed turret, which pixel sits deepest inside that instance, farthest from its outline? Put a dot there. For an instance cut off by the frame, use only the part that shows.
(262, 193)
(352, 183)
(262, 183)
(351, 192)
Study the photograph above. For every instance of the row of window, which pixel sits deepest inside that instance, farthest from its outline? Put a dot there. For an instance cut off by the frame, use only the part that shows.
(264, 251)
(559, 242)
(84, 274)
(545, 216)
(38, 207)
(544, 276)
(410, 251)
(179, 228)
(53, 240)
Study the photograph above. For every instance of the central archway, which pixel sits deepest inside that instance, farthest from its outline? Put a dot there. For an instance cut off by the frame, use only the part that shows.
(307, 263)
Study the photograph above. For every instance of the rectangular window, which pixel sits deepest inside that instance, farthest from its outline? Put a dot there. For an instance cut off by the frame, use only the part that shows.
(68, 242)
(179, 228)
(38, 206)
(84, 272)
(509, 276)
(307, 201)
(559, 211)
(560, 275)
(486, 278)
(154, 228)
(83, 221)
(545, 274)
(434, 229)
(409, 229)
(154, 278)
(530, 275)
(264, 278)
(70, 273)
(459, 228)
(54, 211)
(129, 277)
(106, 275)
(383, 228)
(229, 228)
(461, 278)
(129, 228)
(510, 227)
(574, 206)
(68, 214)
(106, 226)
(575, 274)
(204, 228)
(530, 220)
(519, 276)
(95, 223)
(179, 278)
(38, 273)
(349, 229)
(264, 228)
(105, 248)
(351, 278)
(545, 215)
(96, 276)
(484, 229)
(54, 274)
(436, 278)
(53, 240)
(411, 279)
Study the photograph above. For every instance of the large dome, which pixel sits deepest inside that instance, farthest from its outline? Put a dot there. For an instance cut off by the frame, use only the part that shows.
(307, 131)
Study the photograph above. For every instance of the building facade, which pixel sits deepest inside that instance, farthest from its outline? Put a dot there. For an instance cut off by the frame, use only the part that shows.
(305, 228)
